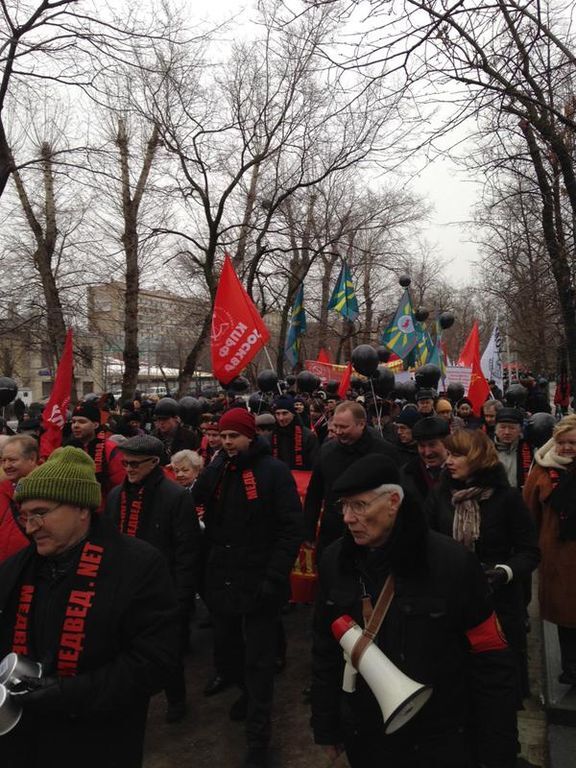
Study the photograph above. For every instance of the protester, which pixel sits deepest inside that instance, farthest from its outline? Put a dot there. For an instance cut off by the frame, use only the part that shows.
(489, 410)
(265, 425)
(440, 630)
(253, 528)
(151, 507)
(97, 610)
(423, 472)
(475, 504)
(353, 439)
(292, 443)
(550, 491)
(465, 411)
(425, 402)
(19, 458)
(169, 429)
(87, 434)
(186, 466)
(444, 409)
(514, 453)
(318, 420)
(210, 443)
(406, 445)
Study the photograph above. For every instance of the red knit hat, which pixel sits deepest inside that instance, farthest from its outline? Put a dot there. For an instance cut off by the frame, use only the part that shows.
(238, 420)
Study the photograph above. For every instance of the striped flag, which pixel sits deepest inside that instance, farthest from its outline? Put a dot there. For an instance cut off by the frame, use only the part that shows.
(401, 336)
(343, 299)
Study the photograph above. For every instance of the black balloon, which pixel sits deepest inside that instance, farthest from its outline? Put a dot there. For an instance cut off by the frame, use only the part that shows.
(238, 385)
(516, 395)
(428, 376)
(446, 320)
(291, 380)
(410, 391)
(307, 381)
(404, 280)
(455, 392)
(357, 384)
(365, 359)
(383, 354)
(421, 314)
(539, 429)
(255, 402)
(8, 390)
(267, 380)
(383, 381)
(190, 410)
(332, 387)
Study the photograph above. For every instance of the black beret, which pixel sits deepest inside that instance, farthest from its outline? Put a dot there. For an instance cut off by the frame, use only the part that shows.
(509, 415)
(144, 445)
(365, 474)
(408, 417)
(430, 428)
(426, 394)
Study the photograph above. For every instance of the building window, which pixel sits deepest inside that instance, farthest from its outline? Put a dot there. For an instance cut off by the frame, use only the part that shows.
(87, 387)
(87, 356)
(46, 388)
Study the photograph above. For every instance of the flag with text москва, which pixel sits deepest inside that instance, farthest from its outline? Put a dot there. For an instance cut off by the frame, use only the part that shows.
(401, 336)
(297, 328)
(238, 331)
(343, 299)
(54, 413)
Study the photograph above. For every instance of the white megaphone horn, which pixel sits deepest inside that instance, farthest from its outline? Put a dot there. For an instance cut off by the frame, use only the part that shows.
(399, 697)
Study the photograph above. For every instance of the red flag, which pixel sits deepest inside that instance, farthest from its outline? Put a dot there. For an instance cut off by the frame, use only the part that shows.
(478, 391)
(345, 382)
(238, 331)
(54, 414)
(471, 347)
(323, 356)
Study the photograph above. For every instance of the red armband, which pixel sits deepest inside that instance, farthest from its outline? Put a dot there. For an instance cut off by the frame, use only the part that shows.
(487, 636)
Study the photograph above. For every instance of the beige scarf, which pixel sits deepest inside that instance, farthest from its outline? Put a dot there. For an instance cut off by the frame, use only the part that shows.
(466, 526)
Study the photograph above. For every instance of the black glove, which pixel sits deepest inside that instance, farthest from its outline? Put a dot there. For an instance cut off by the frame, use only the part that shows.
(497, 577)
(42, 694)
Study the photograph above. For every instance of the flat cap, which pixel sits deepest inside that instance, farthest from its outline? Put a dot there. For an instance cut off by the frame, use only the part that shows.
(426, 394)
(510, 416)
(265, 420)
(365, 474)
(144, 445)
(430, 428)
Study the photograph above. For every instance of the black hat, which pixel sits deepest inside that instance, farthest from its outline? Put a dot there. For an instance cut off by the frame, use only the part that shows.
(365, 474)
(426, 394)
(284, 403)
(265, 421)
(144, 445)
(88, 411)
(167, 406)
(408, 417)
(430, 428)
(509, 416)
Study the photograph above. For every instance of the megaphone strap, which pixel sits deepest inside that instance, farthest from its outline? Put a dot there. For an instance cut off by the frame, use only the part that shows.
(372, 620)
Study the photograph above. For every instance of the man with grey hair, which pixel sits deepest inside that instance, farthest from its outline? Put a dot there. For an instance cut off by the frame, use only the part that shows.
(353, 439)
(19, 458)
(424, 602)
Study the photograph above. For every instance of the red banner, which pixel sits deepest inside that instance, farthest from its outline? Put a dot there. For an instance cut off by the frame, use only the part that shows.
(238, 331)
(345, 382)
(325, 371)
(54, 414)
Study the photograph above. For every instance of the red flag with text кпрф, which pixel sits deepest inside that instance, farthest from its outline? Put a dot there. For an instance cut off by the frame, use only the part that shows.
(238, 331)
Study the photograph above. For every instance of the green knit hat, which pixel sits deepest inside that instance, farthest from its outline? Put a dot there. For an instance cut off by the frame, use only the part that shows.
(68, 476)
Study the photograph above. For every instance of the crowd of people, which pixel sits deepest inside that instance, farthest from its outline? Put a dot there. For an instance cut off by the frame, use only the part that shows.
(427, 522)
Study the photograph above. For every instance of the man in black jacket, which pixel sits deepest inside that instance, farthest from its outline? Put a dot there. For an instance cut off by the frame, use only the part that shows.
(353, 440)
(97, 610)
(168, 428)
(423, 471)
(292, 443)
(151, 507)
(440, 630)
(253, 527)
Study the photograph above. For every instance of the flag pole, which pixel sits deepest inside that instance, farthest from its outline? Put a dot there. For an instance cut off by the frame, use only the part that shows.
(272, 367)
(378, 410)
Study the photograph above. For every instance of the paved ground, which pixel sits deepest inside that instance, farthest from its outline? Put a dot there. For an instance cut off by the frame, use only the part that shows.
(208, 739)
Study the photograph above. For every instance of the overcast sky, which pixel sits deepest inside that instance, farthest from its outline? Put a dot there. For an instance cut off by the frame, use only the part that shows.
(451, 191)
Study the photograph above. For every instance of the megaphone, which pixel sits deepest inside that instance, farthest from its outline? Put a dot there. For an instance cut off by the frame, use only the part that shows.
(399, 697)
(12, 668)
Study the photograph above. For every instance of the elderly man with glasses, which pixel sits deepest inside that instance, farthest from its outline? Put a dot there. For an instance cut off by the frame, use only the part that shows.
(149, 506)
(97, 610)
(439, 629)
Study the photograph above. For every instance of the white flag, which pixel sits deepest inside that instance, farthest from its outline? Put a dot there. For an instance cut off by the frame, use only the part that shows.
(491, 362)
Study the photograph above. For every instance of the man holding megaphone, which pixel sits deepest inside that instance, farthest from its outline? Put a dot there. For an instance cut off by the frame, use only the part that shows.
(410, 667)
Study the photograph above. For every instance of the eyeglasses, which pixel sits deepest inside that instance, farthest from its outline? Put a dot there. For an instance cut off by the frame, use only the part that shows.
(358, 508)
(135, 464)
(36, 517)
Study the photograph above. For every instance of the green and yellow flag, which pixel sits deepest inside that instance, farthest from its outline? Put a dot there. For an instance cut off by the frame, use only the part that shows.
(401, 335)
(343, 299)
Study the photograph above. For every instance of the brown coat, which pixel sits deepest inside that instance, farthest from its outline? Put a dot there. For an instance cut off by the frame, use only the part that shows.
(557, 575)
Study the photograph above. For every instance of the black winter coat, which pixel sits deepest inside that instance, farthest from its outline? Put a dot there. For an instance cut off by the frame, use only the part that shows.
(440, 596)
(507, 537)
(420, 481)
(334, 459)
(169, 522)
(130, 651)
(283, 441)
(253, 520)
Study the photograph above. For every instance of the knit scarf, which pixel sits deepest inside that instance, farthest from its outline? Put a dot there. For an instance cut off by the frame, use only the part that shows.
(466, 503)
